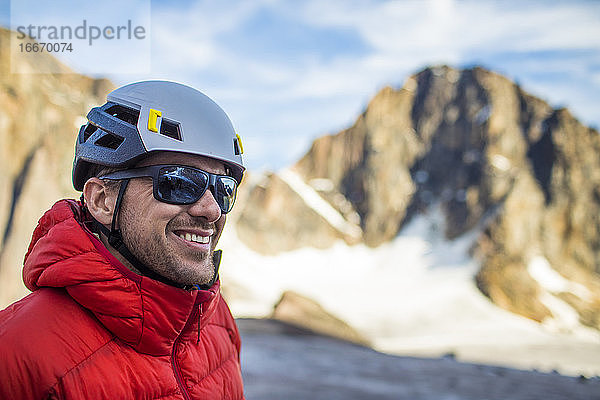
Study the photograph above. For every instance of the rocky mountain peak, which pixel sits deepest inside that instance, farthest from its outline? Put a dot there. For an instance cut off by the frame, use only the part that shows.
(494, 158)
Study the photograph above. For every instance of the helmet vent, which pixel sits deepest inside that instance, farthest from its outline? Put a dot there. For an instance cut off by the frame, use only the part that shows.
(237, 150)
(123, 113)
(89, 131)
(110, 141)
(170, 129)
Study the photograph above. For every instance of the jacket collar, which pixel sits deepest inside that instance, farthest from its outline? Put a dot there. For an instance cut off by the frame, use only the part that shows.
(144, 313)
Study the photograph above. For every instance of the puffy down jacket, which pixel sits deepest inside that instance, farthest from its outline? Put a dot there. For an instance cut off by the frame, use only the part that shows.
(92, 329)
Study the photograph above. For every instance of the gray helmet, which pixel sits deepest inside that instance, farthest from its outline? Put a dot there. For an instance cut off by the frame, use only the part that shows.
(150, 116)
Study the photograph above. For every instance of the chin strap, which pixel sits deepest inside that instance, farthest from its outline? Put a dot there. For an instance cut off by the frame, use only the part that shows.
(115, 239)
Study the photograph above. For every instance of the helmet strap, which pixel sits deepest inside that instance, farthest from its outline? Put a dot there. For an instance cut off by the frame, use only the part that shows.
(115, 239)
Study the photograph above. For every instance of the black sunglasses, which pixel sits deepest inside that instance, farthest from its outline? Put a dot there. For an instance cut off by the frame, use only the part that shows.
(179, 184)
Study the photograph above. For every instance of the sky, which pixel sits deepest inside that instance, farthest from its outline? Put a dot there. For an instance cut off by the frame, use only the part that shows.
(287, 72)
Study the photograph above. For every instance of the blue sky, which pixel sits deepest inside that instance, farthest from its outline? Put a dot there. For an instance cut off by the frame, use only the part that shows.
(289, 71)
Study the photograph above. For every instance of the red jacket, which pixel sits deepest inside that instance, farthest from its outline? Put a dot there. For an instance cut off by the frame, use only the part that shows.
(92, 329)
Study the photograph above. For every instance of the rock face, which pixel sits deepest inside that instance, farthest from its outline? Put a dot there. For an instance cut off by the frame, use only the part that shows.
(280, 233)
(301, 311)
(494, 158)
(40, 115)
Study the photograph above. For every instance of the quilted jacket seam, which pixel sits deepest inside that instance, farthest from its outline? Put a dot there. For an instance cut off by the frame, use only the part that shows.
(74, 367)
(212, 371)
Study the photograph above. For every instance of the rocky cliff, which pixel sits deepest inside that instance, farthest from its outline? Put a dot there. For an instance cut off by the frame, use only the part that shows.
(495, 159)
(40, 115)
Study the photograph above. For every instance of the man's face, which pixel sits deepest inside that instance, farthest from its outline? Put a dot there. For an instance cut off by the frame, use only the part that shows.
(176, 241)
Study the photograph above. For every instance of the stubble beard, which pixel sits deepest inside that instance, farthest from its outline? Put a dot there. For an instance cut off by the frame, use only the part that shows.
(156, 253)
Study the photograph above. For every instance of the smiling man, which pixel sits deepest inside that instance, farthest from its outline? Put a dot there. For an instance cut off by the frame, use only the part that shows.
(126, 301)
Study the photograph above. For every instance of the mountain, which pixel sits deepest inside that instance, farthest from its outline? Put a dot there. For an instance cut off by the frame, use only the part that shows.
(498, 163)
(40, 115)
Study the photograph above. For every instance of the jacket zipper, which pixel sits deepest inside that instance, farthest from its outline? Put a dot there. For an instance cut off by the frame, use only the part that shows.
(176, 368)
(199, 318)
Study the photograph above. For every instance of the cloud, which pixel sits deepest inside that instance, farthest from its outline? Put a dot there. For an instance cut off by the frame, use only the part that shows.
(300, 69)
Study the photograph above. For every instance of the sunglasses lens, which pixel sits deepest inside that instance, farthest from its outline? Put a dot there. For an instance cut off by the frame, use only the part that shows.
(225, 191)
(180, 185)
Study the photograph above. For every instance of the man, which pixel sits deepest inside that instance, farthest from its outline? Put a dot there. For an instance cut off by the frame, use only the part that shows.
(126, 301)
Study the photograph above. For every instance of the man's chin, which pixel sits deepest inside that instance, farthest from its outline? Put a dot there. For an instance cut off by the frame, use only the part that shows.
(194, 274)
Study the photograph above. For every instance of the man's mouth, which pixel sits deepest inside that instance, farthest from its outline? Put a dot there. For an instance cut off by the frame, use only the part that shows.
(191, 237)
(196, 237)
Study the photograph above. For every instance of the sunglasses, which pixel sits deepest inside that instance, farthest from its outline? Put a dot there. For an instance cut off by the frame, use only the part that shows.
(178, 184)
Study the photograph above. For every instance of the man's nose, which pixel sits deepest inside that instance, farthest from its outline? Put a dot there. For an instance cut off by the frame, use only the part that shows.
(206, 207)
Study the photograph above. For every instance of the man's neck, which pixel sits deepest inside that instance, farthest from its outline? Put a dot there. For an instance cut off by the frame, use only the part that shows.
(118, 255)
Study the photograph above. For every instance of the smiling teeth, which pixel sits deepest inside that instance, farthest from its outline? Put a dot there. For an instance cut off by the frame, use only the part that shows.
(190, 237)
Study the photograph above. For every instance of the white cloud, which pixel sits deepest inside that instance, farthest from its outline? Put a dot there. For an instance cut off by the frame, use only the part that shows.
(452, 27)
(526, 41)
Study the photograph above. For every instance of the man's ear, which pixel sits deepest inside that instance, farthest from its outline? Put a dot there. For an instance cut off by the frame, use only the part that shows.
(100, 201)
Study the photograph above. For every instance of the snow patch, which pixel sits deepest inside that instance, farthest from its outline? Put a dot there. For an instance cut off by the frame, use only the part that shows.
(500, 162)
(318, 204)
(322, 184)
(564, 317)
(539, 268)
